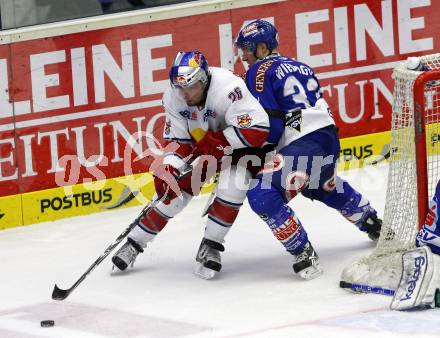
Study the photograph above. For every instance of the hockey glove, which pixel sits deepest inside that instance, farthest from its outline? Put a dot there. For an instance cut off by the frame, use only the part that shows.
(166, 182)
(213, 143)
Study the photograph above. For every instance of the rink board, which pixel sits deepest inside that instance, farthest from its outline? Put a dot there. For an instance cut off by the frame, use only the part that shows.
(79, 199)
(126, 191)
(84, 95)
(76, 200)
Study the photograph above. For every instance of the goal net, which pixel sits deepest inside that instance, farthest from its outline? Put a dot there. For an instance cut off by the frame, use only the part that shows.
(412, 177)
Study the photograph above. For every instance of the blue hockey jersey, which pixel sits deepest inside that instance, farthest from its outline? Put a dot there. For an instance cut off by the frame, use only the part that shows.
(430, 232)
(292, 96)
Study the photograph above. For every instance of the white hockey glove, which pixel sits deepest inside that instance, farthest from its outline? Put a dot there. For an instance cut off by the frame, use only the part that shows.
(419, 282)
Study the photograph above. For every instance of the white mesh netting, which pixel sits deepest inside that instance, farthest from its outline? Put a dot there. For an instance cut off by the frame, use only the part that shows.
(382, 268)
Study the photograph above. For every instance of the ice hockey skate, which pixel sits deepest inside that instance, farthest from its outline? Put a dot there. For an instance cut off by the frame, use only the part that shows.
(208, 260)
(127, 254)
(306, 263)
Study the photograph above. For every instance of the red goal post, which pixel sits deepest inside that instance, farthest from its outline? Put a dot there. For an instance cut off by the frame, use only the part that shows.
(413, 173)
(425, 115)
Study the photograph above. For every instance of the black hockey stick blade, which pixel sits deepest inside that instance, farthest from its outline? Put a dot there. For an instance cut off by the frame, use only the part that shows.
(211, 197)
(60, 294)
(124, 199)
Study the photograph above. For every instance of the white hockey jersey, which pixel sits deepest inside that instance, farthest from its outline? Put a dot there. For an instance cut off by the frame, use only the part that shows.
(229, 107)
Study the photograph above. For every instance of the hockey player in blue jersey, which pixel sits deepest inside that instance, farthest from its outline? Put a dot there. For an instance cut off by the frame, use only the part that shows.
(308, 147)
(429, 235)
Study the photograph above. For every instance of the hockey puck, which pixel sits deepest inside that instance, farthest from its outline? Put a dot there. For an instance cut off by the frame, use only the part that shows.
(47, 323)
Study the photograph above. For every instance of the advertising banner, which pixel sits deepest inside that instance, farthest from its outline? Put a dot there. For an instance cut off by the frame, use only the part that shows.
(81, 107)
(353, 47)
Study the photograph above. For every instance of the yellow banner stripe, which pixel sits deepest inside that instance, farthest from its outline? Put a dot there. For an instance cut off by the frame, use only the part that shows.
(121, 192)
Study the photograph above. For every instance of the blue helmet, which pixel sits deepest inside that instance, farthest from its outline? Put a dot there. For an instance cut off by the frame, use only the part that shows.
(188, 68)
(255, 32)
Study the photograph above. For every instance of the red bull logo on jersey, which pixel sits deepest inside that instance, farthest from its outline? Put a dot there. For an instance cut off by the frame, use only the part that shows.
(244, 120)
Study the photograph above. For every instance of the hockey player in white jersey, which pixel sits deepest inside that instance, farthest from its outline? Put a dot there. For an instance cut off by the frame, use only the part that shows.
(209, 111)
(308, 147)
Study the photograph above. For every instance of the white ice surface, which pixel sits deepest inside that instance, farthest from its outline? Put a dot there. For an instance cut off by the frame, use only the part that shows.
(255, 295)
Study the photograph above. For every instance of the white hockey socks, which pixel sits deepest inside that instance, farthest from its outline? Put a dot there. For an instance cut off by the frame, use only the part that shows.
(419, 282)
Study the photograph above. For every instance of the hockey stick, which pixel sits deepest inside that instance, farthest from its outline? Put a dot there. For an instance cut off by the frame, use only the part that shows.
(211, 198)
(127, 196)
(61, 294)
(366, 288)
(208, 203)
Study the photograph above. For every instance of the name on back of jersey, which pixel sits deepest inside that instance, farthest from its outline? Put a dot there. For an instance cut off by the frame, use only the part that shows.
(285, 68)
(261, 75)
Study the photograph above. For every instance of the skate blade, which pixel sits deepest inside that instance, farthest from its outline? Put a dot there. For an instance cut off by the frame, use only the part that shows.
(203, 272)
(311, 272)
